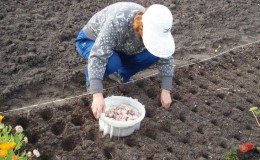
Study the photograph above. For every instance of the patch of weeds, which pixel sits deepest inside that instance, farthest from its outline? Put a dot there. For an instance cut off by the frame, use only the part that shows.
(231, 155)
(255, 111)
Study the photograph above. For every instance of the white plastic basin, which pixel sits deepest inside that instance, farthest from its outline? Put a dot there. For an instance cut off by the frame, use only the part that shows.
(120, 128)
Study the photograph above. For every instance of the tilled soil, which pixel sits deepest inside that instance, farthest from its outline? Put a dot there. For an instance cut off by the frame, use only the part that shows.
(209, 115)
(39, 63)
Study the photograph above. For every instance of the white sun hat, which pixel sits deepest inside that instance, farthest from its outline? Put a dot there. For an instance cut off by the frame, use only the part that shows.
(157, 23)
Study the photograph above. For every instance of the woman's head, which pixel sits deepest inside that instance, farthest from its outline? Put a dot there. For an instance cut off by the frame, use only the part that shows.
(154, 26)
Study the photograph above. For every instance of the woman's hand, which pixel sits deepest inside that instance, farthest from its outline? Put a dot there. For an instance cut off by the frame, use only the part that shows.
(166, 99)
(98, 105)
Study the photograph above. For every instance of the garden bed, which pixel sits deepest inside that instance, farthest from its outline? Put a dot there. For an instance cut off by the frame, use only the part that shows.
(209, 114)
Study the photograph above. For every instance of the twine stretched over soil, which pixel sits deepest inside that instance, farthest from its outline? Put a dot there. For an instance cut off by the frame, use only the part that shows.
(85, 94)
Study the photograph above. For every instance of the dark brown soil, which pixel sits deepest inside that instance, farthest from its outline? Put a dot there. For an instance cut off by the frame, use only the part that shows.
(208, 116)
(209, 113)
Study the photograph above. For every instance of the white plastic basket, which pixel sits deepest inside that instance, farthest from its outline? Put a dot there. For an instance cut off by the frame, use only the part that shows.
(120, 128)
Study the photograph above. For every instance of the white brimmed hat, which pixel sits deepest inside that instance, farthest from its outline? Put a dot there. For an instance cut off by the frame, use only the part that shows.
(157, 37)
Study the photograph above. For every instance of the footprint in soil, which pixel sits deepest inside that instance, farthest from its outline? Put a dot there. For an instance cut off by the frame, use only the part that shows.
(33, 138)
(83, 102)
(151, 93)
(58, 128)
(151, 133)
(78, 120)
(91, 135)
(182, 117)
(193, 90)
(166, 126)
(24, 122)
(46, 114)
(108, 152)
(177, 82)
(70, 143)
(149, 112)
(214, 122)
(177, 97)
(131, 142)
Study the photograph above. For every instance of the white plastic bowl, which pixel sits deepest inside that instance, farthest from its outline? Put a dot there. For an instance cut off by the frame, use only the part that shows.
(120, 128)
